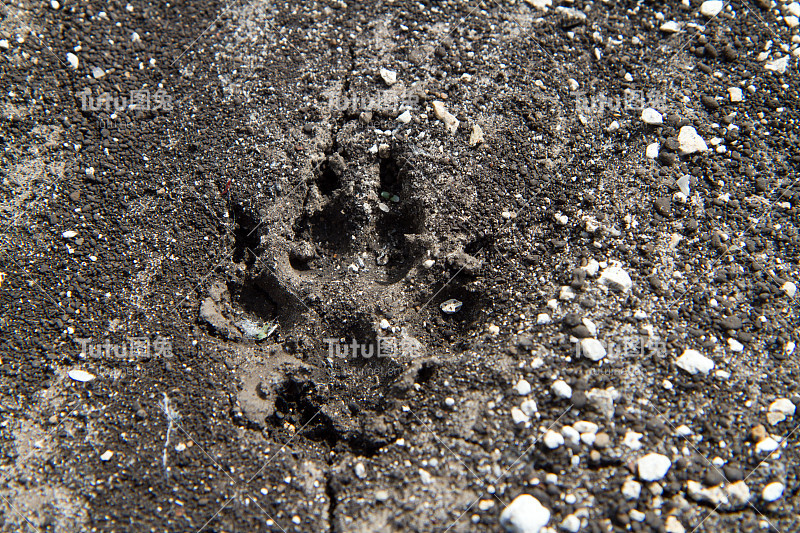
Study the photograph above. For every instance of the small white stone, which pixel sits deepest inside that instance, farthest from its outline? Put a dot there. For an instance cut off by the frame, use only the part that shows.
(4, 44)
(384, 324)
(794, 9)
(683, 430)
(69, 234)
(54, 4)
(631, 489)
(592, 349)
(98, 73)
(528, 408)
(711, 8)
(561, 389)
(571, 523)
(552, 439)
(651, 152)
(588, 438)
(583, 426)
(518, 416)
(772, 492)
(767, 445)
(651, 116)
(106, 455)
(735, 94)
(693, 362)
(524, 515)
(404, 117)
(449, 402)
(389, 76)
(80, 375)
(428, 263)
(543, 318)
(735, 345)
(777, 65)
(566, 293)
(570, 434)
(614, 126)
(637, 515)
(791, 21)
(592, 268)
(673, 525)
(476, 136)
(591, 326)
(441, 112)
(493, 330)
(573, 84)
(360, 471)
(631, 440)
(522, 387)
(689, 141)
(670, 27)
(73, 61)
(653, 466)
(779, 410)
(789, 288)
(616, 278)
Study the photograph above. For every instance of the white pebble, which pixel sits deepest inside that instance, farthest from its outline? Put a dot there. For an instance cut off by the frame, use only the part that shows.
(711, 8)
(631, 489)
(561, 389)
(552, 439)
(543, 318)
(524, 515)
(389, 76)
(653, 466)
(772, 492)
(583, 426)
(694, 362)
(689, 141)
(571, 523)
(651, 116)
(592, 349)
(631, 440)
(80, 375)
(735, 94)
(616, 278)
(789, 288)
(72, 59)
(651, 152)
(522, 387)
(518, 416)
(106, 455)
(767, 445)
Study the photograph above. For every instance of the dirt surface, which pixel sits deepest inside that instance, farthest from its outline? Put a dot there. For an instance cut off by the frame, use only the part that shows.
(387, 266)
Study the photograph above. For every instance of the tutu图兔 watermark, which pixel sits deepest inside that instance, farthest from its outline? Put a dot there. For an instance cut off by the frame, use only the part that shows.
(631, 100)
(383, 347)
(630, 346)
(139, 100)
(135, 348)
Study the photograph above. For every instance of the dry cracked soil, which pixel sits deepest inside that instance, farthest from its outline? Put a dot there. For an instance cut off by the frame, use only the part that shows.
(398, 265)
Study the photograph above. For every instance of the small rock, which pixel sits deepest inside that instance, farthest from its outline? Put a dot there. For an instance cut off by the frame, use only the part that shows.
(552, 439)
(683, 184)
(360, 471)
(571, 523)
(789, 288)
(80, 375)
(631, 489)
(518, 416)
(767, 445)
(710, 102)
(693, 362)
(524, 515)
(673, 525)
(711, 8)
(631, 440)
(779, 410)
(561, 389)
(653, 466)
(476, 137)
(616, 278)
(735, 94)
(690, 141)
(450, 121)
(73, 61)
(451, 306)
(651, 116)
(592, 349)
(106, 455)
(522, 387)
(778, 65)
(670, 27)
(389, 76)
(69, 234)
(651, 152)
(773, 491)
(404, 117)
